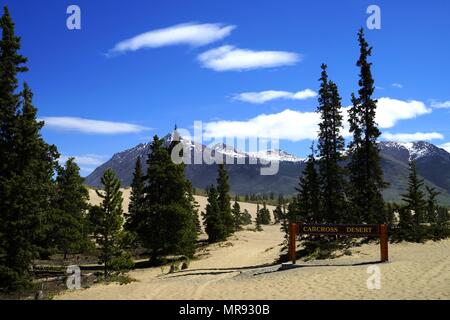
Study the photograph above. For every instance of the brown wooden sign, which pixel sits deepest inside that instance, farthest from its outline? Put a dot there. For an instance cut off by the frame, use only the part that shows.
(351, 230)
(354, 230)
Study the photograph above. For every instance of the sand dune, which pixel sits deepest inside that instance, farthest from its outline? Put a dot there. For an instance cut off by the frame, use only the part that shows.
(242, 268)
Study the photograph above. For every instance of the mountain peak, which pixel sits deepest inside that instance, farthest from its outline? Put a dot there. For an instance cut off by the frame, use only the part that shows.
(416, 149)
(275, 155)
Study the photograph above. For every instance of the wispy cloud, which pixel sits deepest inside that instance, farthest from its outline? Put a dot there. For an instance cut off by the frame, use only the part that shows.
(410, 137)
(295, 125)
(445, 146)
(192, 34)
(91, 126)
(264, 96)
(397, 85)
(440, 104)
(89, 160)
(227, 58)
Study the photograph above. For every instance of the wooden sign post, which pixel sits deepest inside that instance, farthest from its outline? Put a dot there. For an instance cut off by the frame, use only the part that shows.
(350, 230)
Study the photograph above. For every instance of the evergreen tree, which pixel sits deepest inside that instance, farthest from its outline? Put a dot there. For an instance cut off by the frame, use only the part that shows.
(264, 215)
(406, 227)
(278, 213)
(415, 198)
(167, 225)
(258, 218)
(107, 221)
(285, 217)
(27, 165)
(223, 199)
(307, 208)
(431, 204)
(443, 216)
(212, 218)
(11, 64)
(237, 217)
(137, 195)
(366, 175)
(246, 218)
(330, 147)
(194, 208)
(70, 229)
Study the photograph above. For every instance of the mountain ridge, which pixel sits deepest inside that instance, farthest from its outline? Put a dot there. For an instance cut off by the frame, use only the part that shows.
(433, 165)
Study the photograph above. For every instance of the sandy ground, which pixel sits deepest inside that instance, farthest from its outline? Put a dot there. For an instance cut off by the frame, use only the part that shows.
(242, 268)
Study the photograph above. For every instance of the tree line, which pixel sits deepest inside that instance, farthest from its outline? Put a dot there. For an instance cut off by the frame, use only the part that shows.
(344, 184)
(44, 205)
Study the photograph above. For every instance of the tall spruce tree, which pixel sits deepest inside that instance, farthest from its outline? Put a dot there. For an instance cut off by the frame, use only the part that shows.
(168, 223)
(415, 197)
(214, 226)
(136, 205)
(223, 199)
(107, 221)
(11, 64)
(70, 227)
(27, 165)
(366, 175)
(307, 206)
(331, 146)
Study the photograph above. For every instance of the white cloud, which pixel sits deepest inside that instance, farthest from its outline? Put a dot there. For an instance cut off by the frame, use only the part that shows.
(288, 124)
(227, 58)
(91, 126)
(264, 96)
(90, 160)
(410, 137)
(295, 125)
(189, 33)
(445, 146)
(440, 104)
(389, 111)
(397, 85)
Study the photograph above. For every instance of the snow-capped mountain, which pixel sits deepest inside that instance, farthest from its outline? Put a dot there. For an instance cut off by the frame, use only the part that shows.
(275, 155)
(412, 150)
(433, 164)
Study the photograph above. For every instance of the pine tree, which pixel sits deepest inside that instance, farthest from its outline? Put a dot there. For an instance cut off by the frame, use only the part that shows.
(70, 228)
(212, 218)
(331, 147)
(107, 221)
(246, 218)
(27, 165)
(307, 207)
(432, 205)
(168, 223)
(137, 195)
(237, 216)
(194, 208)
(258, 218)
(366, 175)
(415, 198)
(11, 64)
(264, 215)
(223, 189)
(278, 213)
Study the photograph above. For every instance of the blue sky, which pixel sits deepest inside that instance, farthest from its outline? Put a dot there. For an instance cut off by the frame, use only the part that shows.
(138, 67)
